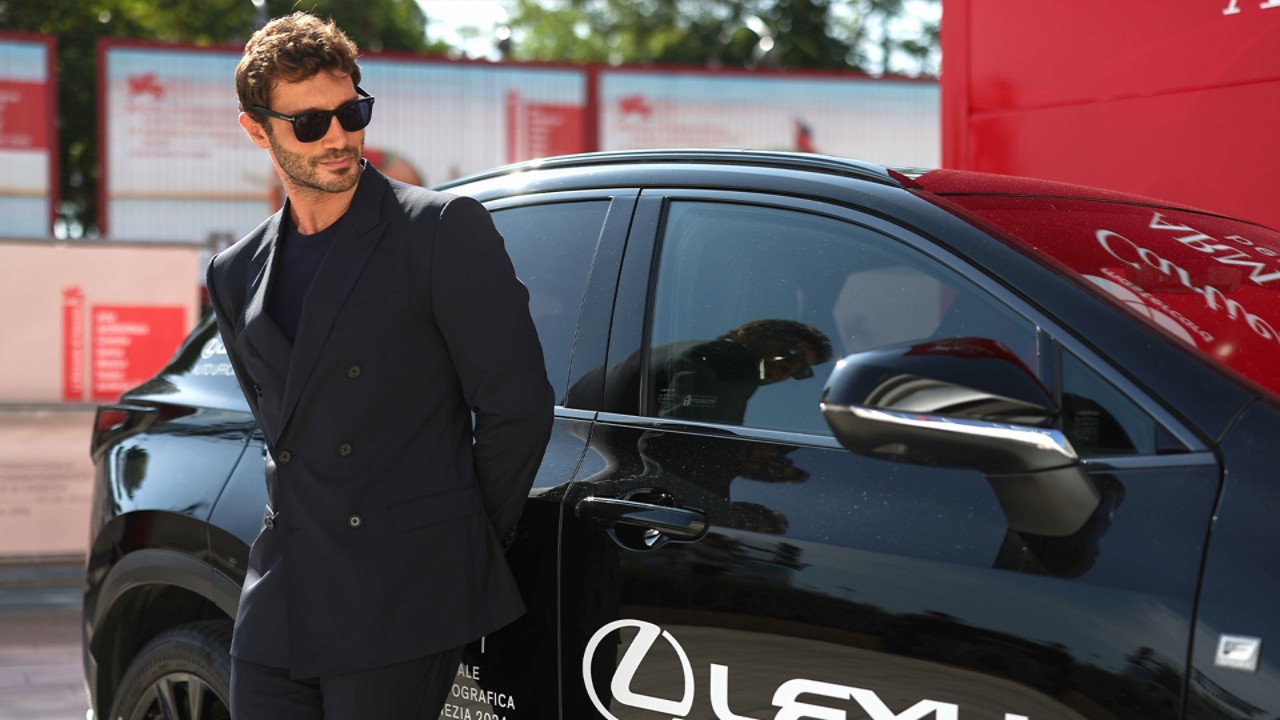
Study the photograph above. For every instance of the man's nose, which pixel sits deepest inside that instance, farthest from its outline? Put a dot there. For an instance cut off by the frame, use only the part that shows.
(335, 135)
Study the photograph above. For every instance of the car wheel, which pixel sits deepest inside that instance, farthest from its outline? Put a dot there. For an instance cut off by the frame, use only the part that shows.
(182, 674)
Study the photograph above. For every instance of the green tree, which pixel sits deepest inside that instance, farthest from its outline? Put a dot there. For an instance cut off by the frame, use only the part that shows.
(814, 34)
(879, 19)
(78, 25)
(802, 37)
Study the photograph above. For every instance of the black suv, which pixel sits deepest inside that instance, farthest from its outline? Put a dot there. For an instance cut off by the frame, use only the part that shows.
(832, 441)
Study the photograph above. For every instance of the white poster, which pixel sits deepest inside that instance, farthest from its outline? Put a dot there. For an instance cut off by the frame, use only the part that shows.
(453, 119)
(180, 168)
(28, 139)
(891, 122)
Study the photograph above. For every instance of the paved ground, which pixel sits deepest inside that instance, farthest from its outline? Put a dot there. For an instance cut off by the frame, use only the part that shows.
(40, 671)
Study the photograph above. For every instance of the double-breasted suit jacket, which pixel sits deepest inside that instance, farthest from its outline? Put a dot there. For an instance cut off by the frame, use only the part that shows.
(383, 536)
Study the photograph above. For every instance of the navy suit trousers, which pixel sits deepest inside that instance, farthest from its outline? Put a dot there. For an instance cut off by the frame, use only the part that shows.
(413, 690)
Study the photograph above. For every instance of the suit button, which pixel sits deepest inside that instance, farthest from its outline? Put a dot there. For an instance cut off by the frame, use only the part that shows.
(353, 371)
(257, 390)
(285, 456)
(269, 523)
(344, 449)
(355, 521)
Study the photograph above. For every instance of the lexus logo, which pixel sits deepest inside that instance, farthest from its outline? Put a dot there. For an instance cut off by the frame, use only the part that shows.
(620, 687)
(793, 698)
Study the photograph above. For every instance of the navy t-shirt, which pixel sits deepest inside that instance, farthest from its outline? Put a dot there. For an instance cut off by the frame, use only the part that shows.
(298, 259)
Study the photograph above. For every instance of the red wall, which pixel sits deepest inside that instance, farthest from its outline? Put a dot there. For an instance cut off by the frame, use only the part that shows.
(1174, 100)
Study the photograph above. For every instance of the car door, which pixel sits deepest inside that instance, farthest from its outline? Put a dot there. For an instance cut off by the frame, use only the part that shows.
(566, 248)
(727, 558)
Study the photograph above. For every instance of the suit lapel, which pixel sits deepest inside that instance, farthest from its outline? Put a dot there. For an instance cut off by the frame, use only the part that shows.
(359, 236)
(259, 328)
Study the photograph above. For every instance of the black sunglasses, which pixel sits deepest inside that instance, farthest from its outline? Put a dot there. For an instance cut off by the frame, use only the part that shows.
(311, 126)
(795, 357)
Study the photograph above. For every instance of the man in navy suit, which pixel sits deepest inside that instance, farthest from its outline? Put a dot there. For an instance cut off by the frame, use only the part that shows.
(385, 347)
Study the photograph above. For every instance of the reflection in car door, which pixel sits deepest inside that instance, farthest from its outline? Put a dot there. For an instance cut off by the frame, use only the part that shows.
(726, 558)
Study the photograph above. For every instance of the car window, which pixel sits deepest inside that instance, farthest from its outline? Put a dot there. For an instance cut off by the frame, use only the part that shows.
(551, 247)
(754, 305)
(1099, 420)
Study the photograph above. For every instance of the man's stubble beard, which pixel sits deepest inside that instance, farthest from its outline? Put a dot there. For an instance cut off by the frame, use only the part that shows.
(303, 173)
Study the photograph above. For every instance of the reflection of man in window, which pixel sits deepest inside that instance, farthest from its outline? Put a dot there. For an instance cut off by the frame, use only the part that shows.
(714, 380)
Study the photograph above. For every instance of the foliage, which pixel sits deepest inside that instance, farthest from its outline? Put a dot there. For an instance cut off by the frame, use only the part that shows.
(78, 25)
(862, 35)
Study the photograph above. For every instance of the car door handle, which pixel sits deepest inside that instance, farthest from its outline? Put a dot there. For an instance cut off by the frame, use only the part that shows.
(678, 524)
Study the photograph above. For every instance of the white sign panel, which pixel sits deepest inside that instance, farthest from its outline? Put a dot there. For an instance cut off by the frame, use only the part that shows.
(453, 119)
(179, 166)
(892, 122)
(28, 141)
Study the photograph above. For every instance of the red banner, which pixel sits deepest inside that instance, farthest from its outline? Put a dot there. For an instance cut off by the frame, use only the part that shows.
(132, 343)
(536, 130)
(72, 344)
(1176, 101)
(24, 115)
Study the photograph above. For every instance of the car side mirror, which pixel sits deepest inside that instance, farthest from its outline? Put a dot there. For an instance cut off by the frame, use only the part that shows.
(964, 403)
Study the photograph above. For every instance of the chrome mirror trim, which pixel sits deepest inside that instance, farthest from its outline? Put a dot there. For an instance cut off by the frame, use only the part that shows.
(1041, 440)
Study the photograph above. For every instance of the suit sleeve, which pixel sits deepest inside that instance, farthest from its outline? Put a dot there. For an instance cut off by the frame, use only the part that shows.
(222, 289)
(482, 310)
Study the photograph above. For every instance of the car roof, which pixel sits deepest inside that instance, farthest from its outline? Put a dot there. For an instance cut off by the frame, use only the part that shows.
(964, 182)
(630, 166)
(746, 159)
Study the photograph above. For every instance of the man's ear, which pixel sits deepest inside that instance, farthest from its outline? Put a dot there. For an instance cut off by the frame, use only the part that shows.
(256, 132)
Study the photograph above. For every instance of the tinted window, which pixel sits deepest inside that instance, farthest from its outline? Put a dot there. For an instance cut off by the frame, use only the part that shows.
(551, 247)
(755, 304)
(1100, 420)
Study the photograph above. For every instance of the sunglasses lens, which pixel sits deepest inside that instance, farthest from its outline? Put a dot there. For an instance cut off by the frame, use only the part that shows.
(355, 115)
(309, 127)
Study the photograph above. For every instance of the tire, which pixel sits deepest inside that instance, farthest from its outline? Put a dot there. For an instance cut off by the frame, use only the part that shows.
(182, 674)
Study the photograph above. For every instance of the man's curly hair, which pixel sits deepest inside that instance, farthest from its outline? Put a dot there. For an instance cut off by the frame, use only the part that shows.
(290, 49)
(784, 332)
